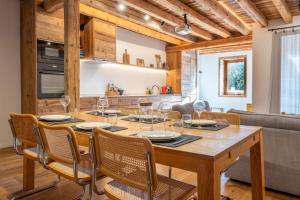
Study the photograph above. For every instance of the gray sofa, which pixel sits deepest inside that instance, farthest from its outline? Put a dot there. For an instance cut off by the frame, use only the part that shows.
(281, 151)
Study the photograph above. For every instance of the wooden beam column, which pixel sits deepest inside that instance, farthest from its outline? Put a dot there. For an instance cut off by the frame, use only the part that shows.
(284, 10)
(28, 57)
(72, 50)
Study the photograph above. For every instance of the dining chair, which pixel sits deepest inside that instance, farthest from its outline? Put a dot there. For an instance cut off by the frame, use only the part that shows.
(61, 145)
(175, 115)
(231, 118)
(130, 162)
(24, 143)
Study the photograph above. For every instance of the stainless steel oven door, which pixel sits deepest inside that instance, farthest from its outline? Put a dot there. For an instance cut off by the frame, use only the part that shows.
(51, 84)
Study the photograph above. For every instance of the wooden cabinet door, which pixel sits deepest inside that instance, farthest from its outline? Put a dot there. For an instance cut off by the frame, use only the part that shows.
(100, 40)
(50, 27)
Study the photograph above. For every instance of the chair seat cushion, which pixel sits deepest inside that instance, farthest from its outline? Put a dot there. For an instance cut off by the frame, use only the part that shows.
(84, 169)
(166, 189)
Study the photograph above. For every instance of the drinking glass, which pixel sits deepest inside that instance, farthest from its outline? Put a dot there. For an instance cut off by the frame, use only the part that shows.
(65, 101)
(186, 117)
(164, 108)
(145, 114)
(199, 107)
(102, 104)
(113, 119)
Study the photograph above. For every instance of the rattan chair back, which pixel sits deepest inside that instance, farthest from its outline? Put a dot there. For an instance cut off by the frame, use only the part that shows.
(174, 115)
(230, 118)
(22, 128)
(60, 143)
(129, 160)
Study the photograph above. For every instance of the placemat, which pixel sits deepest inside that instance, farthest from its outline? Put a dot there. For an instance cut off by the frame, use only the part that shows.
(155, 120)
(111, 129)
(96, 113)
(217, 127)
(182, 140)
(69, 121)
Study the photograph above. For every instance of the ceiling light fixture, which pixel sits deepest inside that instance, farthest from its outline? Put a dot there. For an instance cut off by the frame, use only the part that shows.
(121, 7)
(146, 17)
(184, 29)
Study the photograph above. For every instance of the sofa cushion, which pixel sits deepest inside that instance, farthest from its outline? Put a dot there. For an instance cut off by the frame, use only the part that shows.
(184, 109)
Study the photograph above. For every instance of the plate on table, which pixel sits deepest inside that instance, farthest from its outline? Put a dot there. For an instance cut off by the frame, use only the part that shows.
(201, 122)
(112, 112)
(159, 135)
(55, 118)
(90, 125)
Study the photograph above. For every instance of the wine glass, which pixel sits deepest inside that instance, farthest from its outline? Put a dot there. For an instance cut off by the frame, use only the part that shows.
(102, 104)
(65, 101)
(164, 108)
(199, 106)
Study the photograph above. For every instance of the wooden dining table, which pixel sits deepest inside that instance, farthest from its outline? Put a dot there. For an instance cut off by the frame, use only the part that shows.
(208, 157)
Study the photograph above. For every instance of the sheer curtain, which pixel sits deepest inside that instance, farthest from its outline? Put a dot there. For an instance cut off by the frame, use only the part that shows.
(290, 72)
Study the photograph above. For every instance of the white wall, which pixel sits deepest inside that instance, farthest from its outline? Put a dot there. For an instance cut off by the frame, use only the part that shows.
(10, 91)
(209, 81)
(95, 77)
(262, 49)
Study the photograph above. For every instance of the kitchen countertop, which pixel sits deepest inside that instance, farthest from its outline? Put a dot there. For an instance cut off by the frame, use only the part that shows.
(128, 95)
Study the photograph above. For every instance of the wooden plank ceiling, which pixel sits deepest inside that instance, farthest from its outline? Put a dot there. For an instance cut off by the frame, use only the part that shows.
(210, 19)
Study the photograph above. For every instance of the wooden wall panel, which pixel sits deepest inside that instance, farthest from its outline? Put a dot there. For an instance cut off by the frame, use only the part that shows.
(28, 57)
(174, 73)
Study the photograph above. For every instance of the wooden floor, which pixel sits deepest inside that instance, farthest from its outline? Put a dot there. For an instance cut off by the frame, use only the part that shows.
(11, 181)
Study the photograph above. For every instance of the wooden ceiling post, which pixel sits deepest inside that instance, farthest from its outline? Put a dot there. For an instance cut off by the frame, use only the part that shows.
(28, 57)
(213, 43)
(284, 10)
(253, 12)
(72, 51)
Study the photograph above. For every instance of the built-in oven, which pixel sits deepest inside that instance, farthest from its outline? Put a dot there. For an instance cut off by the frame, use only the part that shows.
(50, 80)
(50, 52)
(50, 68)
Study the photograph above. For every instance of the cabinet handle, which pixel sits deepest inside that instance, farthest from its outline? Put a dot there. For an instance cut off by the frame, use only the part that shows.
(54, 66)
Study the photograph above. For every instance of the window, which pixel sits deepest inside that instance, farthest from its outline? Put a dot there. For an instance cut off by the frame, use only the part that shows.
(233, 76)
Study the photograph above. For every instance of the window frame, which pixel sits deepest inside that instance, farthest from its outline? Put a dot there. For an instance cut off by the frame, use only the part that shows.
(223, 63)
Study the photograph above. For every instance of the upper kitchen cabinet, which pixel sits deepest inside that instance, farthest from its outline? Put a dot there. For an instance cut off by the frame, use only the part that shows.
(100, 40)
(50, 26)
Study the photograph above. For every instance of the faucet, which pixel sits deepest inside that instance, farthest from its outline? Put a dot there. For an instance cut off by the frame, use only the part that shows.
(152, 89)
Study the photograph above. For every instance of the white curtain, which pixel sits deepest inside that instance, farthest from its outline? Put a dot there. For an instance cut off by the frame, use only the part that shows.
(290, 72)
(274, 96)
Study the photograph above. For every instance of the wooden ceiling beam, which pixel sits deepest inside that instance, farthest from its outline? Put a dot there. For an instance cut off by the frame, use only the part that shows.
(249, 7)
(229, 48)
(119, 21)
(53, 5)
(162, 15)
(213, 43)
(136, 17)
(222, 14)
(284, 10)
(194, 17)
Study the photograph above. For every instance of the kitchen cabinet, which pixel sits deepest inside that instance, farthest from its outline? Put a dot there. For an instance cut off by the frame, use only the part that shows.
(100, 40)
(50, 26)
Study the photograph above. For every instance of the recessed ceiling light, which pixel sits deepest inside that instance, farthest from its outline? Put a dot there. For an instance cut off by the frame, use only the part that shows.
(121, 7)
(146, 17)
